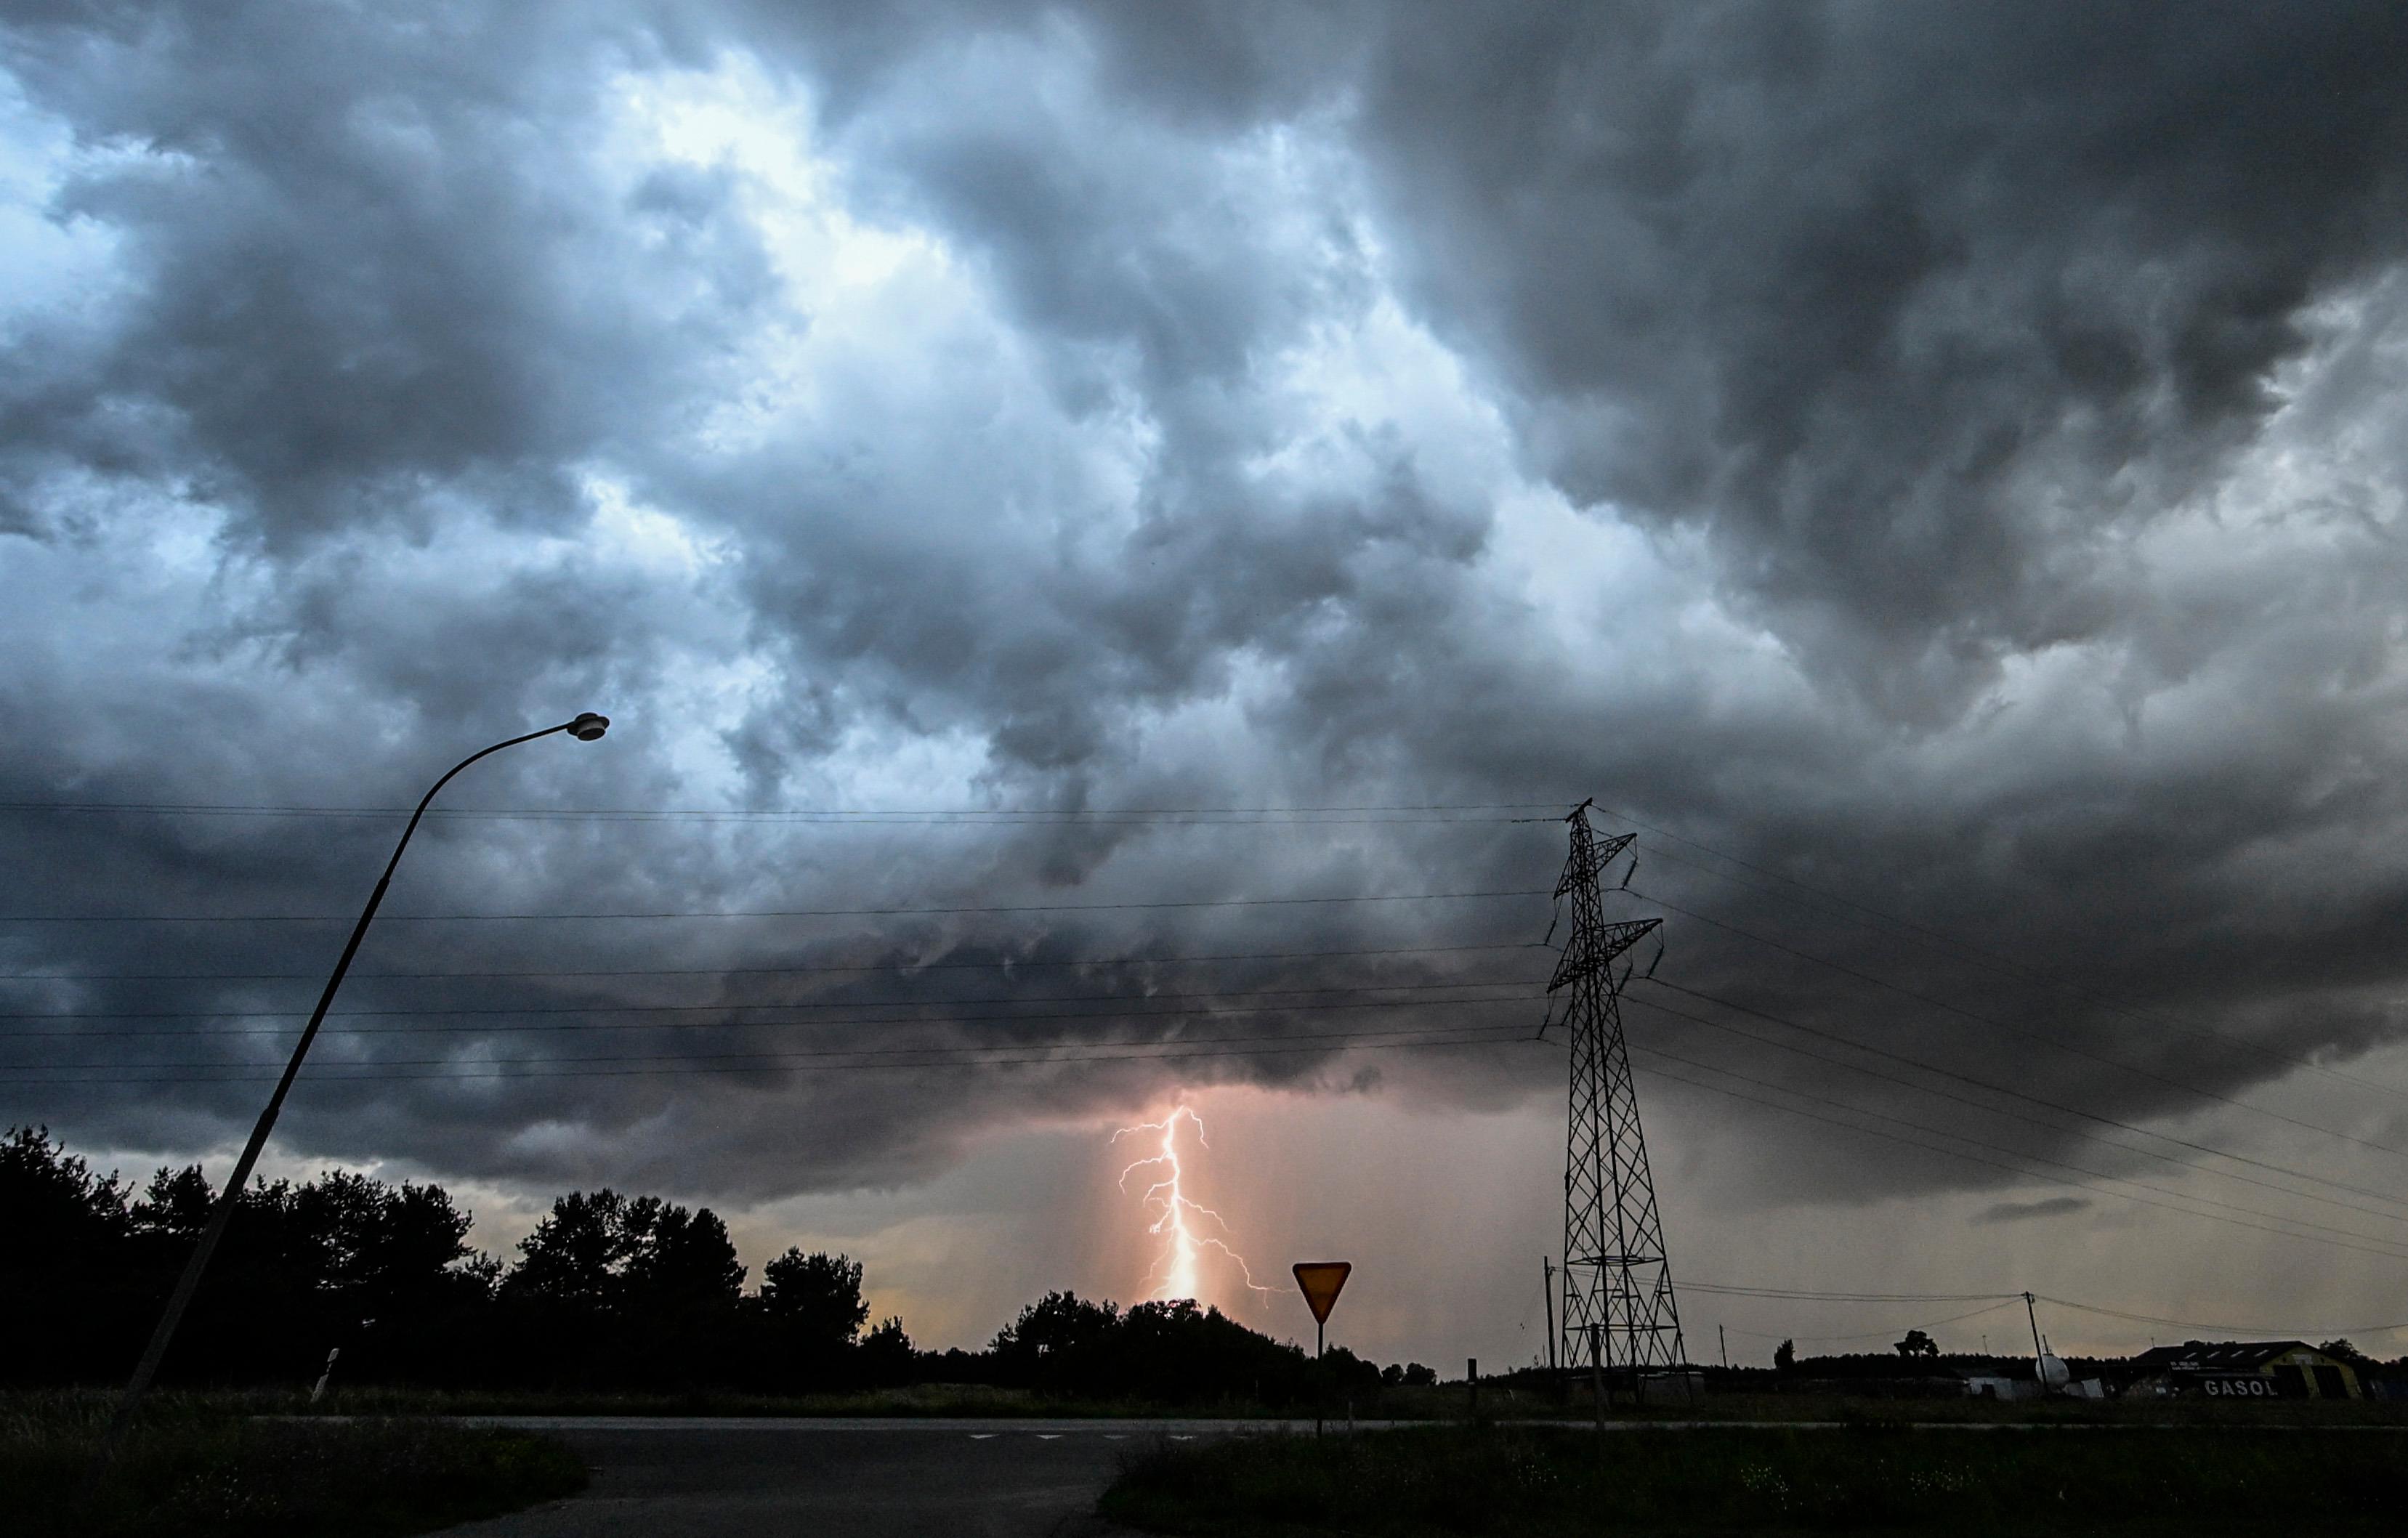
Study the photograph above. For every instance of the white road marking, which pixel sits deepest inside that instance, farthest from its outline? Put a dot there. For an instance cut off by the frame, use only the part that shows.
(1049, 1437)
(982, 1436)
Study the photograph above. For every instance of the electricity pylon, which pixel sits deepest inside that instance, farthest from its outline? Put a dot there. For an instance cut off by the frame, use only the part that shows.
(1618, 1310)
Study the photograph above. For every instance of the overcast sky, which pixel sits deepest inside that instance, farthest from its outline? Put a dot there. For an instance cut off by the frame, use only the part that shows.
(1936, 471)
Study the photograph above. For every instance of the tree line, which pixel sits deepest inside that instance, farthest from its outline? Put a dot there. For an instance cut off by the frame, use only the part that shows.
(609, 1293)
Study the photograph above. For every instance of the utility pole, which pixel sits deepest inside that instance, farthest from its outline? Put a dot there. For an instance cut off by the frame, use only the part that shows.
(2038, 1350)
(1722, 1344)
(585, 727)
(1597, 1381)
(1617, 1281)
(318, 1392)
(1547, 1296)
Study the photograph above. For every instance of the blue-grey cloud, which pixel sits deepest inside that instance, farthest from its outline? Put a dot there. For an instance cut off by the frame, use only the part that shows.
(1947, 460)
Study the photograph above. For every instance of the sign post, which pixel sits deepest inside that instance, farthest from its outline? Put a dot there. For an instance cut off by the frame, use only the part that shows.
(1320, 1281)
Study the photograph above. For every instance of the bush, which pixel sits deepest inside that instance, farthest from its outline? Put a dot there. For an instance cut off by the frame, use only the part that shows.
(192, 1470)
(1537, 1482)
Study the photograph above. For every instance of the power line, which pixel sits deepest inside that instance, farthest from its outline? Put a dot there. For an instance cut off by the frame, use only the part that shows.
(723, 1005)
(2000, 966)
(2395, 1248)
(1038, 815)
(2062, 1046)
(749, 913)
(803, 1054)
(2001, 1299)
(483, 1030)
(1805, 886)
(900, 967)
(1890, 1331)
(1796, 1294)
(1811, 1295)
(1976, 1159)
(2263, 1331)
(2223, 1329)
(2034, 1121)
(2002, 1090)
(1048, 1060)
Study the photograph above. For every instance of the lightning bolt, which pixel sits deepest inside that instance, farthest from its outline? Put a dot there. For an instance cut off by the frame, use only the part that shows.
(1175, 1273)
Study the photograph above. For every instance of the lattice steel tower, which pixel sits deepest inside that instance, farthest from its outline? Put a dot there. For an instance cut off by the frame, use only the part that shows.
(1617, 1283)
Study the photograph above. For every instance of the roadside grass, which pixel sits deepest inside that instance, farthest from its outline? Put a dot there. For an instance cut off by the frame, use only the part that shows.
(376, 1400)
(1498, 1402)
(965, 1401)
(1540, 1482)
(1884, 1410)
(1445, 1403)
(199, 1467)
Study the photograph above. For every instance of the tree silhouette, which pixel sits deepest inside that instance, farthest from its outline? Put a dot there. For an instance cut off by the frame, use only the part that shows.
(677, 1260)
(608, 1293)
(1057, 1322)
(606, 1252)
(1784, 1356)
(175, 1203)
(63, 1233)
(380, 1248)
(817, 1296)
(574, 1257)
(1917, 1343)
(886, 1354)
(52, 1197)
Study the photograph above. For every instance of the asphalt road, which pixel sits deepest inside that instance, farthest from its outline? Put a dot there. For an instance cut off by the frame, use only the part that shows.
(665, 1478)
(702, 1477)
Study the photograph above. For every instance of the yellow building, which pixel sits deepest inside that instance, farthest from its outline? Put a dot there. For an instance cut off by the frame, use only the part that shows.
(2245, 1370)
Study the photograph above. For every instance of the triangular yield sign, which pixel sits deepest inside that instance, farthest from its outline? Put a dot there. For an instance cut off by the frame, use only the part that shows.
(1320, 1281)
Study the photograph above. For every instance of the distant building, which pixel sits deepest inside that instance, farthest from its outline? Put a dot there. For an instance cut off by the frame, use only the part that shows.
(2244, 1370)
(1686, 1385)
(1990, 1383)
(2020, 1380)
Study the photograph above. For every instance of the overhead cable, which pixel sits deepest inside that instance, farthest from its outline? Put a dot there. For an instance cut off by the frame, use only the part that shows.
(2002, 1090)
(2042, 1038)
(1909, 1085)
(751, 913)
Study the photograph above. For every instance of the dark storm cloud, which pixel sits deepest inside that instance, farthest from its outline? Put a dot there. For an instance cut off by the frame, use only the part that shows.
(1916, 311)
(1938, 355)
(2019, 1212)
(364, 259)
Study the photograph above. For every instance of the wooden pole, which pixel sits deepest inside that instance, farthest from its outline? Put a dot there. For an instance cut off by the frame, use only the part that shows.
(1547, 1294)
(1597, 1377)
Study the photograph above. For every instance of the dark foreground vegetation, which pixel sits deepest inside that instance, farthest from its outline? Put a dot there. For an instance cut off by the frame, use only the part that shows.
(197, 1469)
(610, 1295)
(620, 1304)
(1537, 1482)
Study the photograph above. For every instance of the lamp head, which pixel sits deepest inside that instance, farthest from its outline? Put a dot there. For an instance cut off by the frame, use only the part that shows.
(588, 726)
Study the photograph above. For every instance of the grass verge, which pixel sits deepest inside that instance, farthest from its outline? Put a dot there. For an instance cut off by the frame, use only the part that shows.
(1541, 1483)
(190, 1469)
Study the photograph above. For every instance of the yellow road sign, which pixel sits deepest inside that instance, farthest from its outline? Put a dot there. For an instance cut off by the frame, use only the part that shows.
(1320, 1281)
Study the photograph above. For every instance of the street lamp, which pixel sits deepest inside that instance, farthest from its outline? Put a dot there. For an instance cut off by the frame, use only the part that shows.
(587, 727)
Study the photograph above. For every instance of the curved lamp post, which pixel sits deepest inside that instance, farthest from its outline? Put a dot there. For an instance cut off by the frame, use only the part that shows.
(586, 728)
